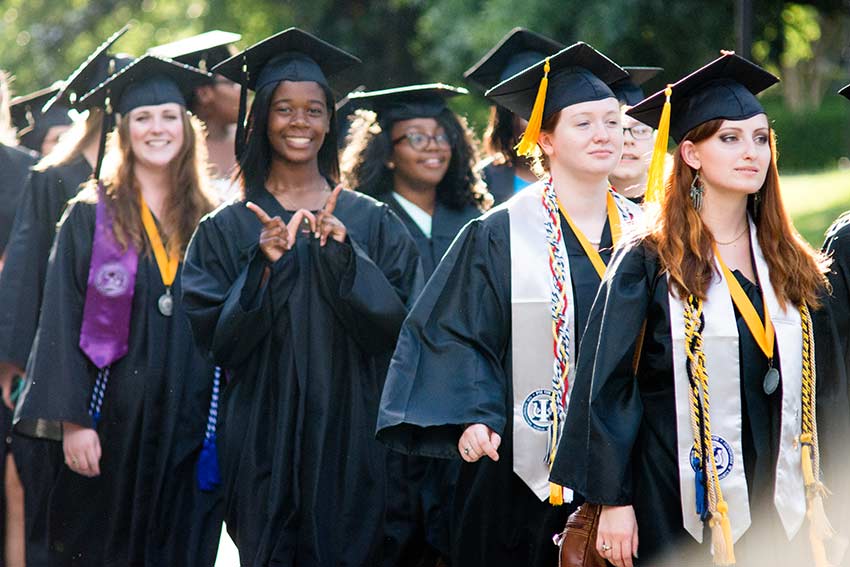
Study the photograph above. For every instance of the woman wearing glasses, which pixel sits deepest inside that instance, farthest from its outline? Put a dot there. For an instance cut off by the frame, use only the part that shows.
(417, 156)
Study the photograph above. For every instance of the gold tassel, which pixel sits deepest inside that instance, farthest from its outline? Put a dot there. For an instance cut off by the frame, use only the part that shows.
(655, 177)
(556, 494)
(820, 530)
(808, 465)
(527, 146)
(721, 536)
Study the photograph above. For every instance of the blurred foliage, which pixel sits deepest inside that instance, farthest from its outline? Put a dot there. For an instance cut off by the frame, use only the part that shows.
(407, 41)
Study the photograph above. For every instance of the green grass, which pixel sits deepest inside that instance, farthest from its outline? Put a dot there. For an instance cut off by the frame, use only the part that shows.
(815, 200)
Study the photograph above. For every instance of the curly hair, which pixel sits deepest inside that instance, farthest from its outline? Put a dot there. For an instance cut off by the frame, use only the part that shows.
(369, 148)
(500, 137)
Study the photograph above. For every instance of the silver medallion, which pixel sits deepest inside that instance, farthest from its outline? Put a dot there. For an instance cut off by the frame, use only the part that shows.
(166, 303)
(771, 381)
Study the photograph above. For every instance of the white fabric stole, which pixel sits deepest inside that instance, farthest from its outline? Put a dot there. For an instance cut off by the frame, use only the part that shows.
(531, 332)
(721, 346)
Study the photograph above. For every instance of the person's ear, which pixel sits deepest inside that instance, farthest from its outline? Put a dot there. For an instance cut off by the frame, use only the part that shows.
(690, 155)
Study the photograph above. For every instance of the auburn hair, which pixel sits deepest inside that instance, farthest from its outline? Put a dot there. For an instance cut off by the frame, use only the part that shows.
(685, 246)
(189, 199)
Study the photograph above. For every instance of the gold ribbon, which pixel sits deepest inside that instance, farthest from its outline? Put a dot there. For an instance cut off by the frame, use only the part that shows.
(616, 231)
(762, 332)
(166, 262)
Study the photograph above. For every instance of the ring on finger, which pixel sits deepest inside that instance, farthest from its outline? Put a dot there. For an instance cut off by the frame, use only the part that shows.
(467, 450)
(605, 548)
(74, 461)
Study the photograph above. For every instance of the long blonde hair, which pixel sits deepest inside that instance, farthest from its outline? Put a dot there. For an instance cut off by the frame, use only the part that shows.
(188, 201)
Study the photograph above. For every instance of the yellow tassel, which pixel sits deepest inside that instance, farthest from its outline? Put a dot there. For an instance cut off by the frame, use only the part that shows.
(817, 515)
(808, 465)
(655, 177)
(527, 146)
(556, 494)
(721, 536)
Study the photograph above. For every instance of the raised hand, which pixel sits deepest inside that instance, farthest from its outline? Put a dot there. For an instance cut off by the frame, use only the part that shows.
(278, 237)
(477, 441)
(327, 224)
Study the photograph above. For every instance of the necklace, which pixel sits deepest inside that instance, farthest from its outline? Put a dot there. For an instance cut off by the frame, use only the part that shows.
(734, 239)
(289, 205)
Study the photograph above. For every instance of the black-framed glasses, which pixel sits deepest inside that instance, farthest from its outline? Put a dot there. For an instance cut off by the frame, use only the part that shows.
(420, 140)
(639, 132)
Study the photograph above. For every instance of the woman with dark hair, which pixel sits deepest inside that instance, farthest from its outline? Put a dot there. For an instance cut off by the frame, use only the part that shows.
(54, 180)
(475, 375)
(693, 416)
(114, 374)
(505, 171)
(299, 291)
(417, 156)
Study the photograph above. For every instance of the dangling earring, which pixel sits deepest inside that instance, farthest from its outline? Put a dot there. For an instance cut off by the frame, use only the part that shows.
(756, 204)
(696, 192)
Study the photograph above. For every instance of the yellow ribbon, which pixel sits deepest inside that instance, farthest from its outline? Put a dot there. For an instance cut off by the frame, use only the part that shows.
(616, 231)
(167, 263)
(762, 332)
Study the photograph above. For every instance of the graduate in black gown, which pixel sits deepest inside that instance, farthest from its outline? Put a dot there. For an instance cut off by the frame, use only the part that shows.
(710, 443)
(504, 171)
(417, 156)
(474, 375)
(54, 180)
(39, 130)
(299, 292)
(114, 373)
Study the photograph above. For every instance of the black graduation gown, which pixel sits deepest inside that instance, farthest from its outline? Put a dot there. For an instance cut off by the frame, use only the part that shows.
(307, 349)
(500, 182)
(837, 244)
(145, 508)
(15, 164)
(21, 287)
(445, 225)
(619, 445)
(452, 367)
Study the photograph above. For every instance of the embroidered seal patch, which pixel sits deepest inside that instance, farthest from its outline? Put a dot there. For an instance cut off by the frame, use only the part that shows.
(724, 459)
(537, 410)
(112, 279)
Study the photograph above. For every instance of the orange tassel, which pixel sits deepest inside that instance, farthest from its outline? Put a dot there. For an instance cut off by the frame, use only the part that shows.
(655, 177)
(556, 494)
(527, 146)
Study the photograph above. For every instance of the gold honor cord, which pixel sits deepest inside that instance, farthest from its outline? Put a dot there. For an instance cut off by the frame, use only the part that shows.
(613, 222)
(166, 262)
(763, 333)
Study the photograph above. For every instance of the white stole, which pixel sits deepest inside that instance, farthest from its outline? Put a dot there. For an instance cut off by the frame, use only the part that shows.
(531, 332)
(720, 342)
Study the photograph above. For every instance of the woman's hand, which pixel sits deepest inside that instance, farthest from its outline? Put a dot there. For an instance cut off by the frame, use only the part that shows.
(81, 446)
(327, 224)
(479, 440)
(617, 538)
(278, 237)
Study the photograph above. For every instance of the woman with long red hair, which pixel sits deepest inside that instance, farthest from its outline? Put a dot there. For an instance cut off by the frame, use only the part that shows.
(693, 413)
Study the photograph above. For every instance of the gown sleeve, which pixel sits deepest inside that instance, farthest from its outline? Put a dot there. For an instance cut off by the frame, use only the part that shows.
(228, 294)
(448, 369)
(59, 376)
(370, 295)
(837, 245)
(605, 410)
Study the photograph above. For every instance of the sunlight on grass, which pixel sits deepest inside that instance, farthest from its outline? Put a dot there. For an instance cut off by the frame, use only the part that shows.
(815, 200)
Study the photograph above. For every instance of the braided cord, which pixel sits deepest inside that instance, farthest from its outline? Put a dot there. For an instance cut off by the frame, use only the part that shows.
(98, 394)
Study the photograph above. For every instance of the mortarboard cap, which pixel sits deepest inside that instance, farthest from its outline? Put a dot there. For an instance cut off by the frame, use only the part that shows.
(203, 51)
(629, 91)
(519, 49)
(575, 74)
(33, 124)
(845, 91)
(725, 88)
(291, 55)
(405, 103)
(94, 70)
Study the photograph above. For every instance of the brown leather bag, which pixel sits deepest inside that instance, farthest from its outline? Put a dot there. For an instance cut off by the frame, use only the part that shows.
(578, 540)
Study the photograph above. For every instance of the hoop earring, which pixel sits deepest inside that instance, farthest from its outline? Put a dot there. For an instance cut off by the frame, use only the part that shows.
(696, 192)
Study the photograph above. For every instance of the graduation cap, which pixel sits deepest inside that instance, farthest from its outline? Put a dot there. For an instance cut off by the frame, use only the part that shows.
(518, 49)
(845, 91)
(405, 103)
(94, 70)
(147, 81)
(203, 51)
(291, 55)
(725, 88)
(33, 124)
(575, 74)
(629, 90)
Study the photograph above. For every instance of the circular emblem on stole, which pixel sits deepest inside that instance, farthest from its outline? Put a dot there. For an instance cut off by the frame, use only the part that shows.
(724, 459)
(537, 410)
(112, 279)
